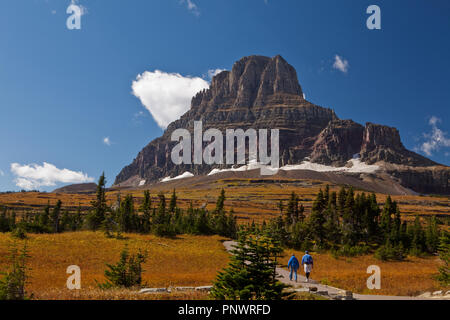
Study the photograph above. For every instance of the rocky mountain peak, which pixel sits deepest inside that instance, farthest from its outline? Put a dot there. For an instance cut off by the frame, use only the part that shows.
(253, 81)
(264, 93)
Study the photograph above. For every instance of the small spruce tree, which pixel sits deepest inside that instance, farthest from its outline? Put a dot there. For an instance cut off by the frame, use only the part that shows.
(251, 274)
(99, 207)
(127, 272)
(12, 284)
(444, 254)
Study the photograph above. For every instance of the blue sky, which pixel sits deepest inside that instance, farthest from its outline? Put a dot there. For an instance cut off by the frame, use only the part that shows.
(62, 92)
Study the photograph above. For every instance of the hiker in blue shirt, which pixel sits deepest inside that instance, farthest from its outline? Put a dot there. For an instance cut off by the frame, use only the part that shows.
(293, 266)
(307, 262)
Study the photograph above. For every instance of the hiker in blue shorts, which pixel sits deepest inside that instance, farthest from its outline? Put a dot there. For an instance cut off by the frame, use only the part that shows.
(293, 266)
(307, 262)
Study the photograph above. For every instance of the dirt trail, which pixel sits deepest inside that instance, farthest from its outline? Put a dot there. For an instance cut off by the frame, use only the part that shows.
(284, 277)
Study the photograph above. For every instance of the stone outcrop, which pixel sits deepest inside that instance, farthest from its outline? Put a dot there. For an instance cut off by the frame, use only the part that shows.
(338, 143)
(382, 143)
(264, 93)
(425, 180)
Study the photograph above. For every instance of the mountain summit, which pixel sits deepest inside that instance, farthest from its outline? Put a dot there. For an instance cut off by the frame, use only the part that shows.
(254, 81)
(264, 93)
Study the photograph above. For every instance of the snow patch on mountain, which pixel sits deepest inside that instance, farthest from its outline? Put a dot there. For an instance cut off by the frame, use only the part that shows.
(187, 174)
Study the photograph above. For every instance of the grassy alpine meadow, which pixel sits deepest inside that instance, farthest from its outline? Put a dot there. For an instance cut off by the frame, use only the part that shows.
(183, 261)
(189, 261)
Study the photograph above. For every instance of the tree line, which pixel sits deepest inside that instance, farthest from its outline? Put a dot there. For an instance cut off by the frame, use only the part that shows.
(350, 224)
(163, 218)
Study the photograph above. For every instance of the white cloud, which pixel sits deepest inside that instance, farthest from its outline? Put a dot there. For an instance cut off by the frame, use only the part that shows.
(33, 176)
(191, 6)
(139, 114)
(436, 139)
(2, 173)
(434, 120)
(340, 64)
(214, 72)
(107, 141)
(167, 96)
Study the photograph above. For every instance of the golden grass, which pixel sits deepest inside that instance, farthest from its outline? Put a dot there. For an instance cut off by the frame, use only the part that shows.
(193, 261)
(190, 261)
(93, 293)
(407, 278)
(185, 261)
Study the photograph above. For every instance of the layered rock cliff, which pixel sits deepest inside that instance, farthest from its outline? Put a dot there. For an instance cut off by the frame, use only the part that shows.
(264, 93)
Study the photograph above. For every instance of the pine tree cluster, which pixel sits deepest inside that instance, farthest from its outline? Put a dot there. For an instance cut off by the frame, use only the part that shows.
(351, 224)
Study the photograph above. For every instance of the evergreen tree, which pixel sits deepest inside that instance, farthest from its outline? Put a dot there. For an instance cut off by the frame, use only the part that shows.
(371, 217)
(65, 221)
(342, 198)
(4, 222)
(281, 207)
(12, 220)
(317, 220)
(221, 224)
(99, 206)
(54, 217)
(232, 225)
(161, 216)
(146, 208)
(278, 231)
(301, 213)
(299, 236)
(127, 217)
(173, 202)
(220, 204)
(12, 284)
(395, 235)
(202, 223)
(127, 272)
(386, 216)
(432, 235)
(77, 222)
(331, 226)
(349, 224)
(162, 221)
(417, 238)
(251, 273)
(292, 211)
(45, 217)
(326, 195)
(444, 254)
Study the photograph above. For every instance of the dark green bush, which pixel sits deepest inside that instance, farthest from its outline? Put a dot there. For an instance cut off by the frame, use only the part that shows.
(127, 272)
(388, 252)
